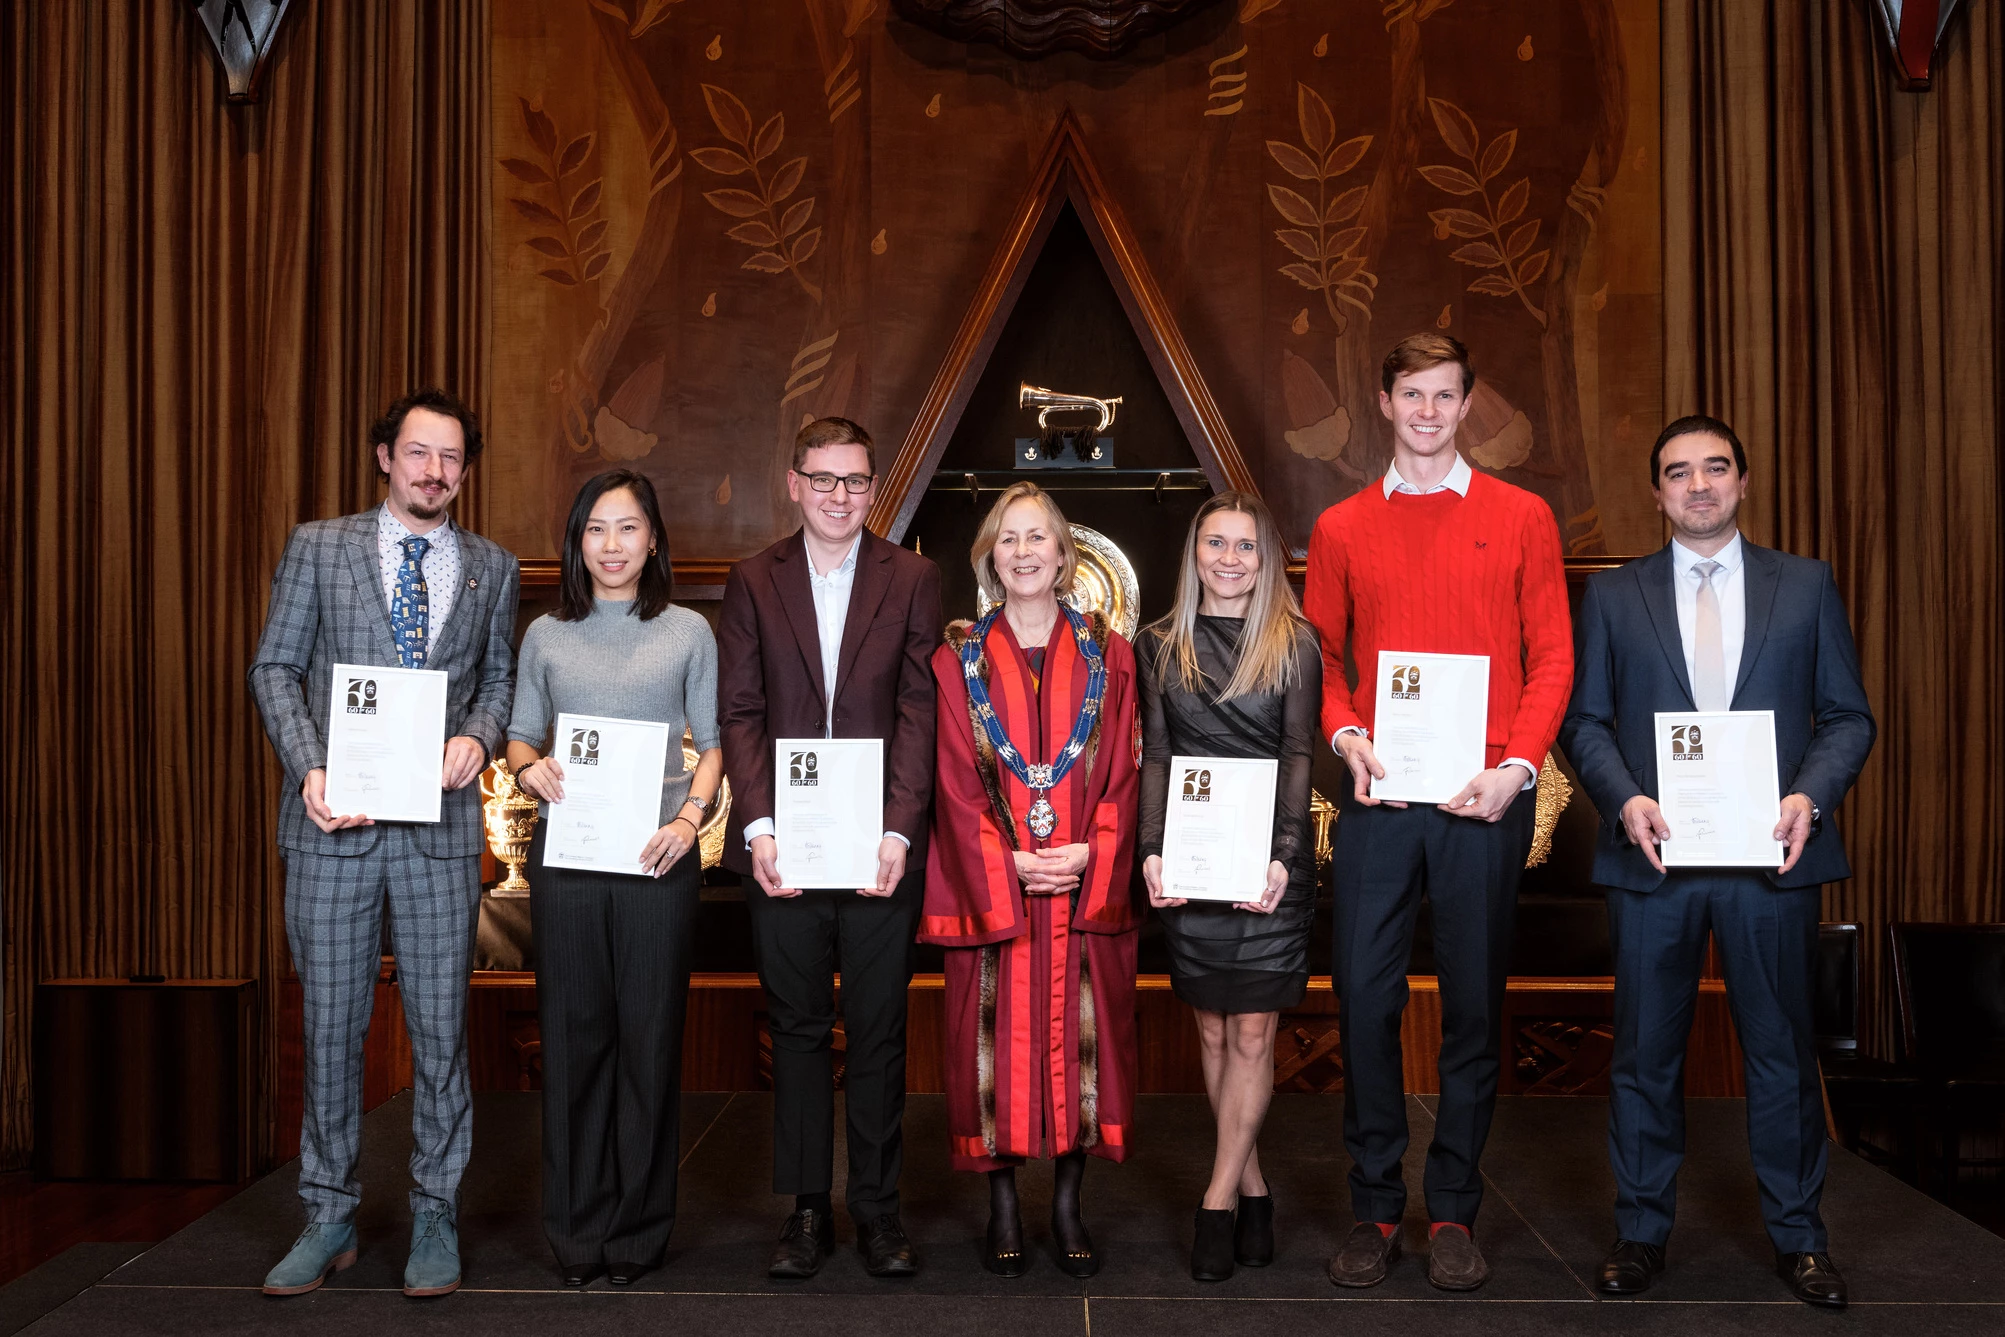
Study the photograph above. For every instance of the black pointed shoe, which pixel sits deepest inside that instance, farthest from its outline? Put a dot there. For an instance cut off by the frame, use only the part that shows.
(886, 1250)
(1253, 1234)
(806, 1239)
(1630, 1268)
(581, 1274)
(1004, 1261)
(1211, 1248)
(1812, 1279)
(626, 1274)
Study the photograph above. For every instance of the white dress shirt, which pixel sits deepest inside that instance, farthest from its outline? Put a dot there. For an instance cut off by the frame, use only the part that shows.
(440, 567)
(1457, 482)
(1731, 587)
(831, 595)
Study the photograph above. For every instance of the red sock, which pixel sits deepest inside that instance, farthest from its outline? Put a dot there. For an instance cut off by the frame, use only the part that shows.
(1440, 1226)
(1388, 1230)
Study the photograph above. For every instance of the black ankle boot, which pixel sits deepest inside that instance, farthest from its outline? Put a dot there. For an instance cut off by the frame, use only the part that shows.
(1253, 1240)
(1211, 1251)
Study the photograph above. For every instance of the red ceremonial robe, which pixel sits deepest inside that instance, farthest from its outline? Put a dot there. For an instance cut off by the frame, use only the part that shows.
(1040, 989)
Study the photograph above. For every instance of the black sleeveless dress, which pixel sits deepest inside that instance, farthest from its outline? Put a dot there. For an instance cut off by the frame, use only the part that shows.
(1224, 959)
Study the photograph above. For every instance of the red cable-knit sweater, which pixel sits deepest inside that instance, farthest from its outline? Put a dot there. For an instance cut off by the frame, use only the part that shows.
(1442, 574)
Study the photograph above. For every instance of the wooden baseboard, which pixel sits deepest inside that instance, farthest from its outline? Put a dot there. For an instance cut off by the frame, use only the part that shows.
(1557, 1040)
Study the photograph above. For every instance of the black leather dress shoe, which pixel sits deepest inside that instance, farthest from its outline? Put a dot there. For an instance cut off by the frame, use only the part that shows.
(806, 1239)
(1812, 1278)
(626, 1274)
(1630, 1268)
(581, 1274)
(886, 1250)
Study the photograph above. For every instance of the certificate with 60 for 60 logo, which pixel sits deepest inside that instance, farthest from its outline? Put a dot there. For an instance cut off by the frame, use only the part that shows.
(1429, 721)
(828, 811)
(1218, 829)
(386, 743)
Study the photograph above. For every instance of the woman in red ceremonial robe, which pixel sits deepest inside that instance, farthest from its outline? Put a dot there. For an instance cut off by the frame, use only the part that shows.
(1027, 880)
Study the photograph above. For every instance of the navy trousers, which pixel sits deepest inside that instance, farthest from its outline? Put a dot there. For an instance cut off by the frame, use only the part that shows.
(1383, 860)
(1768, 949)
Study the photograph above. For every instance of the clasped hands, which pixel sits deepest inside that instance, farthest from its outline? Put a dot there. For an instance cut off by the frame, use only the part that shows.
(1643, 822)
(1277, 886)
(1486, 798)
(464, 759)
(1050, 872)
(766, 868)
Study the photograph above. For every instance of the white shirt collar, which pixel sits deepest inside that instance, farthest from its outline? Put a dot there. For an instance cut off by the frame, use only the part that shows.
(1457, 480)
(847, 566)
(1683, 559)
(389, 526)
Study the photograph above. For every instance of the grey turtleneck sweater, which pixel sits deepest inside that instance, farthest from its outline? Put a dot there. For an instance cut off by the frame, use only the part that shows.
(615, 665)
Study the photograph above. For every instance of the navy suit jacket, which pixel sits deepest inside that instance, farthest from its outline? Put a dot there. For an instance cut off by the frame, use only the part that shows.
(1798, 660)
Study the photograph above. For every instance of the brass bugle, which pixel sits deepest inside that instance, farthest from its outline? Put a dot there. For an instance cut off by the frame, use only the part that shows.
(1047, 402)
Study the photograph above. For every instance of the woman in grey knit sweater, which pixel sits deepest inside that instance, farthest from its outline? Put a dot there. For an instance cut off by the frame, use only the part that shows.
(612, 949)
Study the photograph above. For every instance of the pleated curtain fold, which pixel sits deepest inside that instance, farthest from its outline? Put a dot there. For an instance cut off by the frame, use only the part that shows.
(1833, 288)
(203, 307)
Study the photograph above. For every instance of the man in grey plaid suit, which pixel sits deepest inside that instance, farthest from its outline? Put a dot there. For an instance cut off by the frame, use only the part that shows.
(399, 585)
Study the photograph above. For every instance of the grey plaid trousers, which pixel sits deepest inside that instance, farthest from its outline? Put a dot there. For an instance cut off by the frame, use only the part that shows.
(334, 923)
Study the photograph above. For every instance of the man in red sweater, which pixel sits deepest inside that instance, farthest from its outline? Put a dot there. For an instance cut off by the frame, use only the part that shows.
(1434, 559)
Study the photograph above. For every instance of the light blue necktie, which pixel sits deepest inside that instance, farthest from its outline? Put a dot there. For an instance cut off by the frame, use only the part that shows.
(411, 609)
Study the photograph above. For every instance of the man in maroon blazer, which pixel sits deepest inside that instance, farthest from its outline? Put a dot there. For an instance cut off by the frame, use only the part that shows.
(827, 634)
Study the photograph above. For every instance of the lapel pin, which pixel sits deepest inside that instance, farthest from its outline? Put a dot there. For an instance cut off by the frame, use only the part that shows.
(473, 582)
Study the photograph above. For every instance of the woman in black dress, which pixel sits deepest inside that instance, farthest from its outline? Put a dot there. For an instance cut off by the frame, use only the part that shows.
(1234, 671)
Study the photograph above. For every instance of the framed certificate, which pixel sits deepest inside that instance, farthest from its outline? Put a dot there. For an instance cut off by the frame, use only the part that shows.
(1218, 831)
(828, 811)
(612, 793)
(386, 743)
(1429, 723)
(1719, 787)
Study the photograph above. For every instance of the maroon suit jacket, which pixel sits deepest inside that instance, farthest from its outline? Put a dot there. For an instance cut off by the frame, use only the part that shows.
(769, 678)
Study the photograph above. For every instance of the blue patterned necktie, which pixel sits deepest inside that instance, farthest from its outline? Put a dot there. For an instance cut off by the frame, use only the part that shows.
(411, 609)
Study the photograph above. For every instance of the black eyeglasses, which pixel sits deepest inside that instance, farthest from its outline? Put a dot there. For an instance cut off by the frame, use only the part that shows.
(850, 482)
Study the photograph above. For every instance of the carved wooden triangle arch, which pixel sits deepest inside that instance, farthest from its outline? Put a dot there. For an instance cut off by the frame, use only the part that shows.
(1065, 174)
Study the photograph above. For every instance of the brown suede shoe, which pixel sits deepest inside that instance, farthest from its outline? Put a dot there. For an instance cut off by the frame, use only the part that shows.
(1364, 1256)
(1454, 1263)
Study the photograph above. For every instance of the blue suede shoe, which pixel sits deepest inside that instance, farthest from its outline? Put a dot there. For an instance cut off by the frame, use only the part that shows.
(434, 1265)
(322, 1249)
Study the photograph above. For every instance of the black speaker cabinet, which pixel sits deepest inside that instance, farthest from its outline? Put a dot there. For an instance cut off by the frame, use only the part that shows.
(146, 1081)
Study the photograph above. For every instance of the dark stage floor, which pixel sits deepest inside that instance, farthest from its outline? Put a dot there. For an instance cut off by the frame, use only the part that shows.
(1914, 1265)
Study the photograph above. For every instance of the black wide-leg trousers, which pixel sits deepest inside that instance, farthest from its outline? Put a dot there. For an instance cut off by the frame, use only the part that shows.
(612, 988)
(802, 941)
(1384, 860)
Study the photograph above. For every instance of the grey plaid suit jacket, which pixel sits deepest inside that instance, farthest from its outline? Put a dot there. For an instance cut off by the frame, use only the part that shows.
(327, 607)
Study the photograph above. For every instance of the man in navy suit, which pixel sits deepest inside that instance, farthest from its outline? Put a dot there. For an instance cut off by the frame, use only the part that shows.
(1712, 622)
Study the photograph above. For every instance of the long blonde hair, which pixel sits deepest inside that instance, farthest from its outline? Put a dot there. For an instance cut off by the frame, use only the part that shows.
(1274, 620)
(982, 555)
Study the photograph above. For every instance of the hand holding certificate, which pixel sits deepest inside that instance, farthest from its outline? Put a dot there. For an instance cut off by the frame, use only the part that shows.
(1429, 721)
(828, 811)
(386, 734)
(1219, 828)
(1718, 788)
(612, 793)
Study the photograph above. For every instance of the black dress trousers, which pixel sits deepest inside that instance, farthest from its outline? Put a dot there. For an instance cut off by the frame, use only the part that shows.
(1383, 859)
(612, 988)
(801, 942)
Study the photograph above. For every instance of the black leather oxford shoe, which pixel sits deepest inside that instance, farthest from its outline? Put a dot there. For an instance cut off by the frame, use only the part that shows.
(581, 1274)
(886, 1250)
(806, 1239)
(1812, 1278)
(1630, 1268)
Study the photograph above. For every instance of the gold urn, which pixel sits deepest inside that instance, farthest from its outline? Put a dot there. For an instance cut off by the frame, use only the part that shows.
(510, 815)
